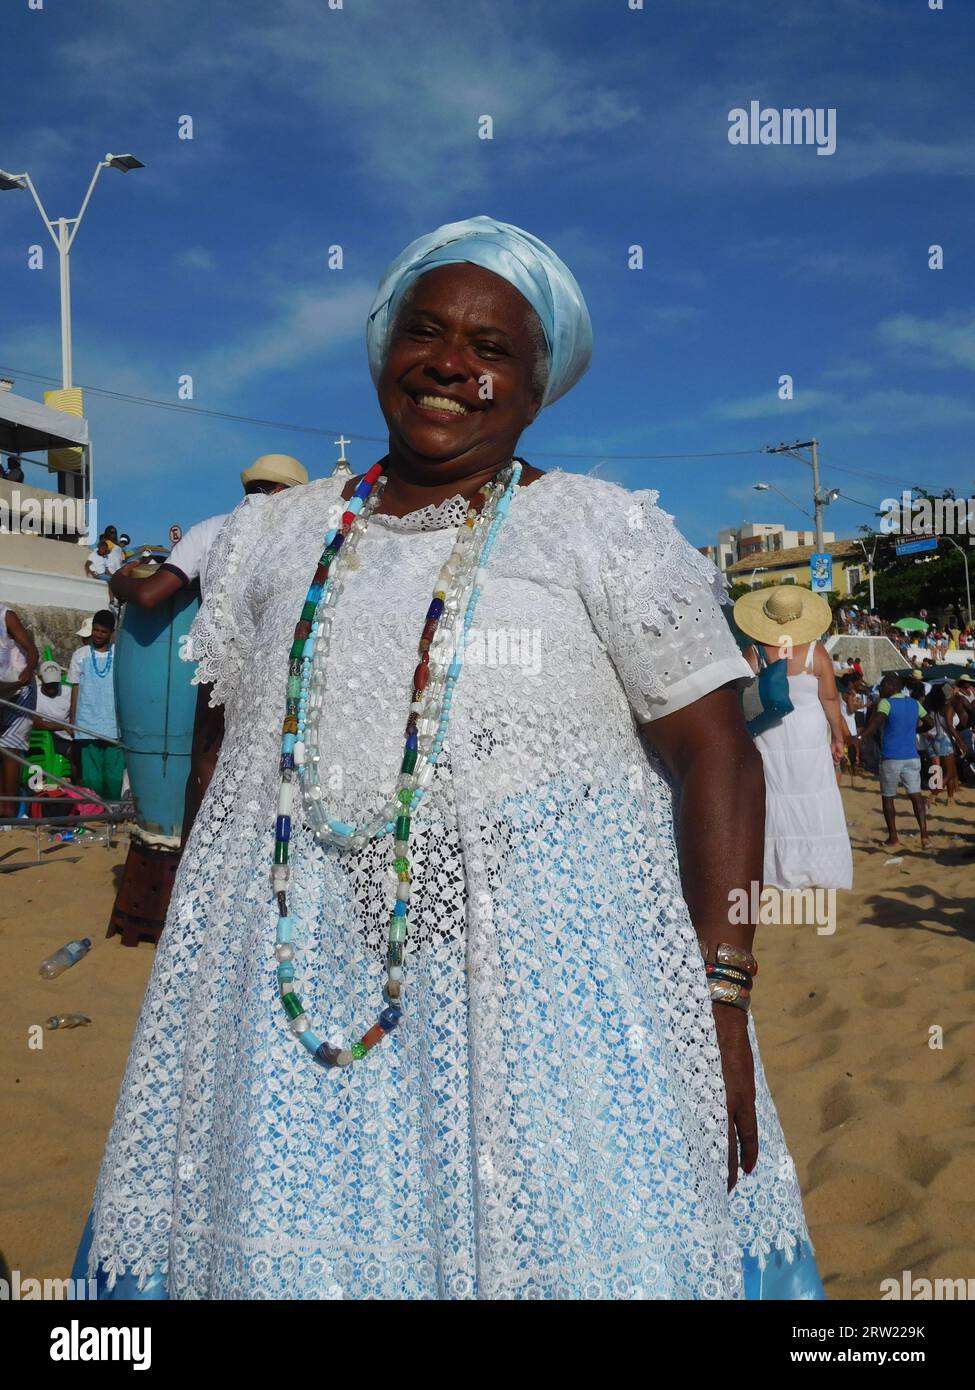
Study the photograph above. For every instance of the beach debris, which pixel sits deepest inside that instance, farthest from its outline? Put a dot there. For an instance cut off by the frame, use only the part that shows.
(893, 861)
(67, 1021)
(65, 958)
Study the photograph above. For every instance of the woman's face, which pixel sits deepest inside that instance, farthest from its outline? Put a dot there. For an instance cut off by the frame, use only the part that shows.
(458, 383)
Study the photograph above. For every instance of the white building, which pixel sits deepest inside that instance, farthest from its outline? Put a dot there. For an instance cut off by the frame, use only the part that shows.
(759, 538)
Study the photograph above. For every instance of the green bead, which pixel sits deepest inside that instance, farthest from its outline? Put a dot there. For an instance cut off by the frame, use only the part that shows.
(281, 851)
(397, 930)
(401, 864)
(308, 612)
(405, 795)
(297, 649)
(358, 1051)
(409, 760)
(294, 686)
(292, 1005)
(402, 828)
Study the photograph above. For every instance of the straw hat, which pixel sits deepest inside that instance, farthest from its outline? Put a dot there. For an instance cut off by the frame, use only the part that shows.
(275, 468)
(790, 611)
(85, 629)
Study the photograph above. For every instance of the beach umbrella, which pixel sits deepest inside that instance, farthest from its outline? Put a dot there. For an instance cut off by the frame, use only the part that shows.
(910, 625)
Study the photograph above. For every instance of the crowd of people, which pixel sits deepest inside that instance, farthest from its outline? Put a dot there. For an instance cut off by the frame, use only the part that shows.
(939, 640)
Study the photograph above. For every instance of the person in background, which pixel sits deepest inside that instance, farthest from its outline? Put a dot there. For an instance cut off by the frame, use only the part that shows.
(188, 558)
(855, 698)
(93, 708)
(806, 840)
(896, 720)
(944, 742)
(963, 709)
(54, 707)
(104, 560)
(18, 662)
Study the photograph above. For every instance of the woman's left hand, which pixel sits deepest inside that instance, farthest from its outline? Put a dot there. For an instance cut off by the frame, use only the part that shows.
(738, 1067)
(838, 748)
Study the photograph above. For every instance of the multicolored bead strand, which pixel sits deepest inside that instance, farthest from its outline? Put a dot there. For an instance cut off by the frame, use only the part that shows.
(432, 694)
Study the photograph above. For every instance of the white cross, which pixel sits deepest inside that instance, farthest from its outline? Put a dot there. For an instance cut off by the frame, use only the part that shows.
(341, 442)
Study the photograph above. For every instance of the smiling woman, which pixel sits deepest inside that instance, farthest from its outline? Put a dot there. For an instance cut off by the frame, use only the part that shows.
(448, 1003)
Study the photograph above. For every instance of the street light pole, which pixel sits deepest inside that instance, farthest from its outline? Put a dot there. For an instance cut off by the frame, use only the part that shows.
(62, 233)
(869, 559)
(968, 589)
(62, 242)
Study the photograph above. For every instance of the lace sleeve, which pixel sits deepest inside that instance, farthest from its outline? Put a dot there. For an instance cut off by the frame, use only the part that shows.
(223, 630)
(656, 603)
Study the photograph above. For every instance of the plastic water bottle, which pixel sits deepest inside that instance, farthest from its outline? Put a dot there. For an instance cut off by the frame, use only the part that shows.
(64, 959)
(67, 1021)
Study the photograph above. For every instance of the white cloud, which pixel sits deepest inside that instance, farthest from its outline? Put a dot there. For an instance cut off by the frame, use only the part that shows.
(196, 258)
(948, 341)
(768, 406)
(302, 325)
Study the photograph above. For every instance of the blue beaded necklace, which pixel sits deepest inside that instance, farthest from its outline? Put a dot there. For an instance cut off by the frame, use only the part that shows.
(103, 672)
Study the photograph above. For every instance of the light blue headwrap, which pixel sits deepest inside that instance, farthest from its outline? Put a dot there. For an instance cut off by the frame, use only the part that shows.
(518, 257)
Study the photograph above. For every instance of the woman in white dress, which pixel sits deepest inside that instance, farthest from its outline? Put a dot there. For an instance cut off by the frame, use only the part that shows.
(558, 1099)
(807, 844)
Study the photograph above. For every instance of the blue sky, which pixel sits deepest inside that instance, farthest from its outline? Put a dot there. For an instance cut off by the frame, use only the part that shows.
(359, 127)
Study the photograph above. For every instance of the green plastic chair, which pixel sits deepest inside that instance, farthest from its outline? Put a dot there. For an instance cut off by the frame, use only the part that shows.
(42, 754)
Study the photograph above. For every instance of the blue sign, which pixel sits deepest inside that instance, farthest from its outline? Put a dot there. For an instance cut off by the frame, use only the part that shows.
(913, 547)
(821, 571)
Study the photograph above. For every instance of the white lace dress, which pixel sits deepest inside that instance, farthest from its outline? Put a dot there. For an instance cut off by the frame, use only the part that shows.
(548, 1121)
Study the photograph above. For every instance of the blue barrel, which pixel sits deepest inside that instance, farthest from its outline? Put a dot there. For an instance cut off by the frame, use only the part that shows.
(156, 705)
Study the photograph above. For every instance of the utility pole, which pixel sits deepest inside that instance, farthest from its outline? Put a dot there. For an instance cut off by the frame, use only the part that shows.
(817, 496)
(821, 498)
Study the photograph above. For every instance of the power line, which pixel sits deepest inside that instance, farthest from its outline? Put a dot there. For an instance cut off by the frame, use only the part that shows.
(184, 409)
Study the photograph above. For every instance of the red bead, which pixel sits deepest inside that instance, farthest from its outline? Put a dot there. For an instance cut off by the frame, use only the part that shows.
(421, 677)
(375, 1034)
(320, 575)
(348, 518)
(302, 630)
(425, 659)
(371, 474)
(429, 629)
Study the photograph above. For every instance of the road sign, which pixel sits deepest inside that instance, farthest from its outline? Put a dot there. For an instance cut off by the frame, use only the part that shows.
(821, 571)
(915, 547)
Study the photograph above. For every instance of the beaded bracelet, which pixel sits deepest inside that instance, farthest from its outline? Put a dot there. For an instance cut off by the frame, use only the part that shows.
(729, 973)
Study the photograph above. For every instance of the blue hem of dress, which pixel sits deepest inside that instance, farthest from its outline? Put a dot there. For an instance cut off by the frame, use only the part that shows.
(781, 1279)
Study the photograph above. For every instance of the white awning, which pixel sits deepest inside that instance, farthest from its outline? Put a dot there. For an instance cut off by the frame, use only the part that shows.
(26, 427)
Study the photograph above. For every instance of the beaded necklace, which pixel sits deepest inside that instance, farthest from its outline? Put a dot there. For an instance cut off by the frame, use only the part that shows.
(433, 685)
(103, 672)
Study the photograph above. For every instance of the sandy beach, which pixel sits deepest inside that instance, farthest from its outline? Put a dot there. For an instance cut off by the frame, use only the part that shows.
(879, 1122)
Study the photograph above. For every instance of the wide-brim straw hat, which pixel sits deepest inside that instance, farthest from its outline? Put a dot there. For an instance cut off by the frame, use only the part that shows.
(275, 468)
(789, 611)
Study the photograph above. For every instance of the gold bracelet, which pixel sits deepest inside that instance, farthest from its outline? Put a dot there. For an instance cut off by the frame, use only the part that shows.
(722, 954)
